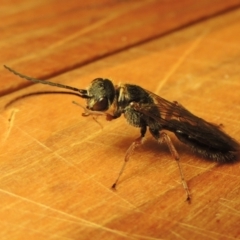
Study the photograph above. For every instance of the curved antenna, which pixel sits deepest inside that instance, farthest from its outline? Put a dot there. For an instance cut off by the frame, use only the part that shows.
(81, 91)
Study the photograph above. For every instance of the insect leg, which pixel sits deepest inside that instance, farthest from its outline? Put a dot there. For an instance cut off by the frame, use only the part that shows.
(88, 112)
(137, 142)
(165, 138)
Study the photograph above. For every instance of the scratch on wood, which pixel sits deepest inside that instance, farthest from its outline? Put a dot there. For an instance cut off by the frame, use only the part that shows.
(92, 135)
(51, 235)
(177, 235)
(206, 233)
(78, 219)
(146, 237)
(10, 124)
(180, 61)
(232, 210)
(72, 164)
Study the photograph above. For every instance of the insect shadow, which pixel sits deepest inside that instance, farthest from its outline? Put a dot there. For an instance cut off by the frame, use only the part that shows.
(146, 110)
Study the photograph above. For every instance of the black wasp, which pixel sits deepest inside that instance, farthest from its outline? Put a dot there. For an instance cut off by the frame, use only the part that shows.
(144, 109)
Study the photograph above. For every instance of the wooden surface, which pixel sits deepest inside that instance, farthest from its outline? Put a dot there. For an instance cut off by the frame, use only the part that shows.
(57, 167)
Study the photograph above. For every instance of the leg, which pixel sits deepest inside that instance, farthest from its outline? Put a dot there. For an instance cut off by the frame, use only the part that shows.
(129, 152)
(88, 112)
(165, 138)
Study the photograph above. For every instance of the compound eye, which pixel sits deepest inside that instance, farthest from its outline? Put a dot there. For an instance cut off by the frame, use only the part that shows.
(101, 105)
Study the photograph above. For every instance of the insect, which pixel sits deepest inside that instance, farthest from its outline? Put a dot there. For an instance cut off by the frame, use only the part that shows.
(146, 110)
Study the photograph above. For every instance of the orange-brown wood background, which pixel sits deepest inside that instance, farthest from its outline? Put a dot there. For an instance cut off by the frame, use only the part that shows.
(57, 167)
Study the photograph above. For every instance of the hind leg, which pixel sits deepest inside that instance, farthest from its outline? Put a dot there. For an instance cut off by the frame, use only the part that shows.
(163, 137)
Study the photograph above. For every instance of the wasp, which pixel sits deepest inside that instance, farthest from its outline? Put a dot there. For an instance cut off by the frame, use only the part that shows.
(148, 111)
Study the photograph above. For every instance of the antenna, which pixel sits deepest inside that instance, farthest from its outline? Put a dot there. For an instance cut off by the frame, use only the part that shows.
(81, 91)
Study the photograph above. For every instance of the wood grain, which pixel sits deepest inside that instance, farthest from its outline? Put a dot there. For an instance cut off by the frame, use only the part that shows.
(57, 167)
(48, 38)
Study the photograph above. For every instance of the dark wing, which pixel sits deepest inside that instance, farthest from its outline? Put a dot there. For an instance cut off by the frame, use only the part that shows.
(204, 137)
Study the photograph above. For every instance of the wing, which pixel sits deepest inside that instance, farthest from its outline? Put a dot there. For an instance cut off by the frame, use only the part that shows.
(204, 137)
